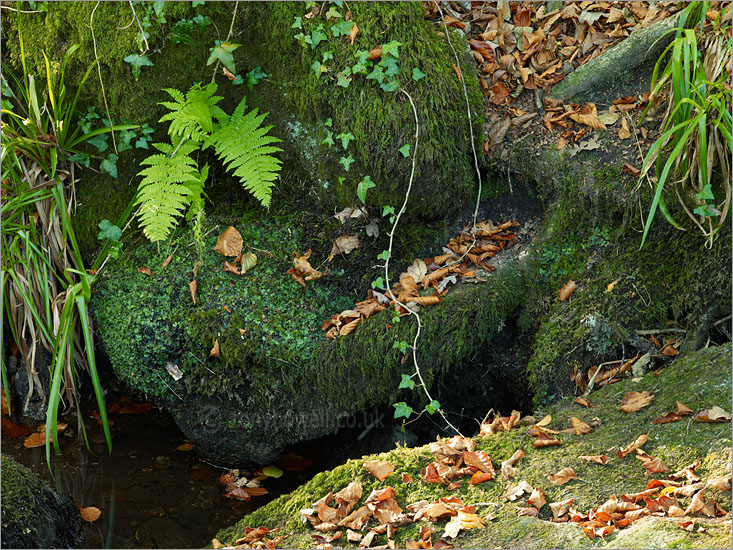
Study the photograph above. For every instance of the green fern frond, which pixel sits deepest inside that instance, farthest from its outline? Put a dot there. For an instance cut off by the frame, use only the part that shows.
(244, 146)
(191, 116)
(166, 189)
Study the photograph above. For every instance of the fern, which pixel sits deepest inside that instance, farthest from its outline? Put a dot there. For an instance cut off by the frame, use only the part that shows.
(245, 148)
(172, 180)
(192, 115)
(168, 186)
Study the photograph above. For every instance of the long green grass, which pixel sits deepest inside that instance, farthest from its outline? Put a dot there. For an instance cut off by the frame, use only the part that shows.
(692, 154)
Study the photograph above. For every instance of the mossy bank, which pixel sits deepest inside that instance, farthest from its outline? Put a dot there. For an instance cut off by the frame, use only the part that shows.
(299, 99)
(677, 444)
(33, 515)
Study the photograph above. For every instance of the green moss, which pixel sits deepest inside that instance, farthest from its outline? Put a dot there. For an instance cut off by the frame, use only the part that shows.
(676, 443)
(33, 516)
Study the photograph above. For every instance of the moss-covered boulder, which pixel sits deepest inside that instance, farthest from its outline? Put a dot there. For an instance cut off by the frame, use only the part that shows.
(299, 99)
(700, 380)
(33, 515)
(276, 379)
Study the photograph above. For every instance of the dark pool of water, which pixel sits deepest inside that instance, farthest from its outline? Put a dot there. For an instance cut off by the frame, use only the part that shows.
(150, 494)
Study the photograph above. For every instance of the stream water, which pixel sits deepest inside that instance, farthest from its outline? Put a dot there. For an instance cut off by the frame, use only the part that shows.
(151, 495)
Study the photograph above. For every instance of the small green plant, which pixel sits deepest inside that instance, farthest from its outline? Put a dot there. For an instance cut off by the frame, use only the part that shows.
(172, 180)
(695, 140)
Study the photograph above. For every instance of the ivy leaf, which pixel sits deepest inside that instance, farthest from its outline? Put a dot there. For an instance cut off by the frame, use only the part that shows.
(402, 346)
(141, 143)
(222, 51)
(706, 211)
(364, 185)
(706, 193)
(333, 13)
(391, 48)
(329, 122)
(126, 137)
(361, 67)
(345, 139)
(318, 68)
(316, 37)
(138, 61)
(432, 406)
(80, 158)
(346, 162)
(108, 230)
(327, 56)
(391, 86)
(109, 165)
(402, 409)
(146, 130)
(383, 255)
(328, 140)
(378, 283)
(392, 68)
(376, 74)
(344, 77)
(254, 76)
(417, 74)
(406, 382)
(342, 28)
(238, 81)
(405, 150)
(297, 24)
(100, 142)
(386, 210)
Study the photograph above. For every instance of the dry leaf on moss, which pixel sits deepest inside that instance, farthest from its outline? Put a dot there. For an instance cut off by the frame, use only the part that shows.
(215, 350)
(193, 285)
(580, 427)
(537, 499)
(561, 508)
(145, 271)
(229, 242)
(566, 291)
(545, 440)
(563, 476)
(344, 245)
(379, 468)
(634, 401)
(715, 414)
(638, 442)
(598, 459)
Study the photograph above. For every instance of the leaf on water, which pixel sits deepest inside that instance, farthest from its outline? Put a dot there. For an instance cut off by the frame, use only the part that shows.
(229, 242)
(90, 514)
(36, 439)
(13, 430)
(379, 468)
(215, 350)
(563, 476)
(634, 401)
(566, 291)
(193, 285)
(145, 271)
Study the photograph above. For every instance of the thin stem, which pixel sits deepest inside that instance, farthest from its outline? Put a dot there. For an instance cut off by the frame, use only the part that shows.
(99, 72)
(229, 35)
(142, 31)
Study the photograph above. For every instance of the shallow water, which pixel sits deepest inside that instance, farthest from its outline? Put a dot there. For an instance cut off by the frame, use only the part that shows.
(150, 494)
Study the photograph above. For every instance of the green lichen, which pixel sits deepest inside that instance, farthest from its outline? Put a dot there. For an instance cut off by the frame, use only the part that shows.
(677, 444)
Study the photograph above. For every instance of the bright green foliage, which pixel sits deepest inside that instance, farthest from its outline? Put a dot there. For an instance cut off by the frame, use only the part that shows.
(191, 115)
(162, 193)
(137, 61)
(173, 181)
(402, 409)
(222, 51)
(364, 186)
(245, 147)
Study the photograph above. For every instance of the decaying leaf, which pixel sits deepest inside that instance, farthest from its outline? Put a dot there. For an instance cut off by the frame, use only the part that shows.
(580, 427)
(721, 483)
(588, 115)
(518, 490)
(582, 401)
(215, 350)
(507, 467)
(480, 460)
(563, 476)
(715, 414)
(561, 508)
(537, 498)
(185, 447)
(634, 401)
(229, 242)
(302, 270)
(683, 409)
(344, 245)
(145, 271)
(166, 261)
(90, 513)
(379, 468)
(545, 440)
(530, 511)
(566, 291)
(193, 285)
(462, 520)
(598, 459)
(637, 443)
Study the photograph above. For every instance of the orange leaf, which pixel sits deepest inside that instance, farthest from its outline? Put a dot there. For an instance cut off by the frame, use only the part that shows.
(352, 33)
(406, 478)
(638, 442)
(215, 350)
(588, 115)
(192, 286)
(145, 271)
(231, 268)
(185, 447)
(375, 54)
(379, 468)
(537, 499)
(166, 261)
(580, 427)
(135, 408)
(563, 476)
(229, 242)
(458, 72)
(36, 439)
(582, 401)
(716, 414)
(256, 491)
(228, 73)
(480, 460)
(634, 401)
(566, 291)
(683, 409)
(90, 514)
(480, 477)
(13, 430)
(598, 459)
(631, 170)
(544, 440)
(666, 418)
(239, 493)
(561, 508)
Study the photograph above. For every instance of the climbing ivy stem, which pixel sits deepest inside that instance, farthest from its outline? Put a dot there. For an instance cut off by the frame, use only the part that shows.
(229, 35)
(99, 73)
(411, 311)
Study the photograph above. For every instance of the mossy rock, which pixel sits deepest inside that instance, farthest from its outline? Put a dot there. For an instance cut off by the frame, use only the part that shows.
(33, 515)
(677, 444)
(258, 394)
(298, 101)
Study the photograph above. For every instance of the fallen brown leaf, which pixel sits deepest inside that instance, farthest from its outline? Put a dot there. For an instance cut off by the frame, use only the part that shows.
(638, 442)
(563, 476)
(715, 414)
(229, 242)
(598, 459)
(193, 285)
(215, 350)
(566, 291)
(634, 401)
(379, 468)
(580, 427)
(90, 513)
(145, 271)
